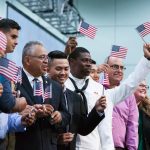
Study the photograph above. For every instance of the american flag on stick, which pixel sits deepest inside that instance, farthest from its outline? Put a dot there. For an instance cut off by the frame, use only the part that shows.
(8, 69)
(19, 75)
(87, 29)
(3, 41)
(119, 51)
(105, 79)
(37, 88)
(143, 29)
(48, 91)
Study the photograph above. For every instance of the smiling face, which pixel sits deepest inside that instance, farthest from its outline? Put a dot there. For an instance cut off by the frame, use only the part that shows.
(36, 62)
(95, 72)
(115, 72)
(59, 70)
(141, 92)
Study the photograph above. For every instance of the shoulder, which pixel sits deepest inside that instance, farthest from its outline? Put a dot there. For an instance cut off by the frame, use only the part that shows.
(55, 84)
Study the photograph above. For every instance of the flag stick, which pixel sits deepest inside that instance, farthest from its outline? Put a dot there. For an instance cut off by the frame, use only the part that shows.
(103, 90)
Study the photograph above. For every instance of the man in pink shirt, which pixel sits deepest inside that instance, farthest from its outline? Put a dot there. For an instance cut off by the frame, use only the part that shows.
(125, 114)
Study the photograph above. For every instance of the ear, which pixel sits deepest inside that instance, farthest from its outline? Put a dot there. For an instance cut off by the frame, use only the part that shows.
(27, 60)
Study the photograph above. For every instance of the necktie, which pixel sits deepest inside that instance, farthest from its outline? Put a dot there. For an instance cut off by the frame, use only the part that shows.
(81, 91)
(37, 91)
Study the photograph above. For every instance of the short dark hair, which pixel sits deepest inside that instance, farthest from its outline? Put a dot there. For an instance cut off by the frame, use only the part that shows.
(93, 62)
(56, 54)
(7, 24)
(76, 53)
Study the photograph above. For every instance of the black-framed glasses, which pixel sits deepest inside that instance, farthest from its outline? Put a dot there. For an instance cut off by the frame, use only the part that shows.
(40, 57)
(117, 67)
(144, 86)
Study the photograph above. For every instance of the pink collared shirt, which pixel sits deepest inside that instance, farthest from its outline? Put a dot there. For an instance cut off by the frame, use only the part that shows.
(125, 124)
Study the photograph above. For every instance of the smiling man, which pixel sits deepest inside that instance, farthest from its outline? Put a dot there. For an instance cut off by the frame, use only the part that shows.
(80, 123)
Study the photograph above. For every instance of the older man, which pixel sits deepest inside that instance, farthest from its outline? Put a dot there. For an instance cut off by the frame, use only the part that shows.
(51, 110)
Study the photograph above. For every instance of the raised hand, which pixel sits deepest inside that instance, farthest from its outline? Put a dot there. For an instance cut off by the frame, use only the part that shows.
(146, 49)
(101, 104)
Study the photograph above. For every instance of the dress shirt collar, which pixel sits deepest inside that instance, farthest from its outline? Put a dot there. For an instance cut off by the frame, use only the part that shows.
(30, 77)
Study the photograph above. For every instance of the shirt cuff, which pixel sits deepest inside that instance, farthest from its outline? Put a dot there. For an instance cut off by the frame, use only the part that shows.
(100, 113)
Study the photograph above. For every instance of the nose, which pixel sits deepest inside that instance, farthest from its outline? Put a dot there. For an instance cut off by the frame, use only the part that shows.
(63, 72)
(16, 42)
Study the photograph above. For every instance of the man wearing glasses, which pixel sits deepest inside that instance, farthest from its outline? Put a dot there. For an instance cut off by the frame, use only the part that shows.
(125, 114)
(49, 104)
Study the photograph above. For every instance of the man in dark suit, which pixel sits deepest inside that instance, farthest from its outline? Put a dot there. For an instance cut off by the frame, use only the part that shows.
(51, 112)
(59, 70)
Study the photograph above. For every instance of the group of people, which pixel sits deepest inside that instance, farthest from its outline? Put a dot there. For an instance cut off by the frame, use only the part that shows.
(78, 113)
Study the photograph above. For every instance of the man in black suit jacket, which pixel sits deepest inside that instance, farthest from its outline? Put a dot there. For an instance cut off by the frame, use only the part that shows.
(58, 70)
(51, 112)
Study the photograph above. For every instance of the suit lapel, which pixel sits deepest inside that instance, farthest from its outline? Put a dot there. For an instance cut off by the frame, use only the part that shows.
(26, 86)
(69, 100)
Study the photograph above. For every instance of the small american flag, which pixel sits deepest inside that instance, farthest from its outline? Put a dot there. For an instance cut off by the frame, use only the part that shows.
(48, 91)
(3, 41)
(19, 75)
(119, 51)
(8, 69)
(143, 29)
(87, 29)
(37, 88)
(105, 79)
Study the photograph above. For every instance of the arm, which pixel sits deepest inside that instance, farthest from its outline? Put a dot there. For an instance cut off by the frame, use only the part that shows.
(127, 87)
(14, 123)
(132, 126)
(7, 100)
(138, 75)
(88, 123)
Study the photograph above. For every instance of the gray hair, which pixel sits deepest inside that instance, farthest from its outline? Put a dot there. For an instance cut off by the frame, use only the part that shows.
(29, 48)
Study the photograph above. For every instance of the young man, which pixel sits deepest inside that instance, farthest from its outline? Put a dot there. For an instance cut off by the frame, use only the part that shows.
(59, 71)
(80, 66)
(7, 101)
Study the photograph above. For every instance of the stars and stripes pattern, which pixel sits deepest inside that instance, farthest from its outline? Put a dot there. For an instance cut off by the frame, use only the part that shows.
(37, 88)
(119, 51)
(3, 41)
(9, 69)
(143, 29)
(87, 29)
(19, 75)
(105, 79)
(48, 91)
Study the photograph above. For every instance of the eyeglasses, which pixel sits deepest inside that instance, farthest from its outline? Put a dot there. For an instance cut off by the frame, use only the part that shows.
(117, 67)
(41, 57)
(144, 86)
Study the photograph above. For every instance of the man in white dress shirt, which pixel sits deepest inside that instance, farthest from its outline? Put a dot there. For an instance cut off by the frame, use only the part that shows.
(80, 66)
